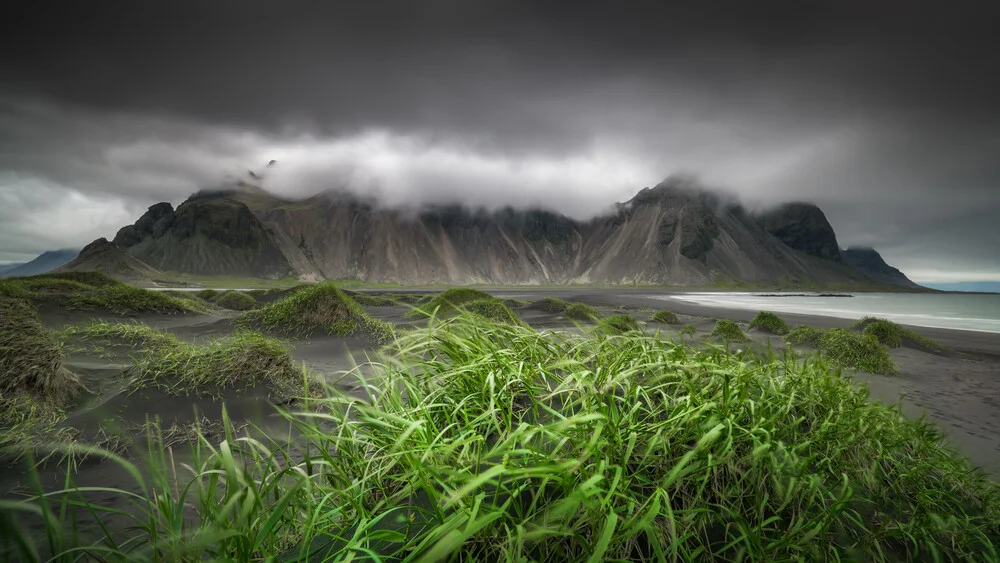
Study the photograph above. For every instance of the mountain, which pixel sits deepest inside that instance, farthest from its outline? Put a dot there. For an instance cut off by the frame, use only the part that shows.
(973, 287)
(870, 262)
(209, 234)
(5, 267)
(107, 257)
(673, 234)
(46, 262)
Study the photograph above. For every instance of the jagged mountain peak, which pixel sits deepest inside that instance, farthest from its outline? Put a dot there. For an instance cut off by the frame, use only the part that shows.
(675, 233)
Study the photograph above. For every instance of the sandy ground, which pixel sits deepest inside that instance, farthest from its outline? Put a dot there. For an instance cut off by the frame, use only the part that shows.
(959, 391)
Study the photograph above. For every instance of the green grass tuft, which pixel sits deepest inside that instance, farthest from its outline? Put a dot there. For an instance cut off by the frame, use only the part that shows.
(367, 300)
(688, 330)
(34, 385)
(770, 322)
(493, 310)
(665, 316)
(516, 303)
(481, 442)
(619, 324)
(551, 305)
(319, 307)
(805, 334)
(858, 351)
(582, 312)
(729, 331)
(448, 301)
(208, 294)
(127, 300)
(235, 301)
(90, 278)
(892, 335)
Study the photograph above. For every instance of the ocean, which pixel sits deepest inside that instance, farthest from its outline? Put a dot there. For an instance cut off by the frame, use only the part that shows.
(978, 312)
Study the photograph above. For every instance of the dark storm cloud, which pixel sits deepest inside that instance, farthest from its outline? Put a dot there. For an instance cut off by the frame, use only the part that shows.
(884, 113)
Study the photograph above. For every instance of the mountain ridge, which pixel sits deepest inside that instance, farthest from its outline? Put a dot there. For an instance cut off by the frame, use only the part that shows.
(675, 233)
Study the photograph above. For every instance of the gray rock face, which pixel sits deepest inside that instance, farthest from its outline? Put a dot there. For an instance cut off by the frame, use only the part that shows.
(804, 227)
(209, 234)
(870, 262)
(105, 256)
(672, 234)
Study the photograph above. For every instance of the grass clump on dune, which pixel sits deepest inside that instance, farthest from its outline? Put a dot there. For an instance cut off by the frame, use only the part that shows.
(208, 294)
(484, 442)
(858, 351)
(892, 335)
(241, 360)
(235, 301)
(848, 349)
(619, 324)
(729, 331)
(34, 385)
(551, 305)
(58, 282)
(805, 334)
(367, 300)
(581, 312)
(665, 316)
(516, 303)
(91, 278)
(770, 322)
(493, 310)
(127, 300)
(320, 307)
(449, 301)
(688, 330)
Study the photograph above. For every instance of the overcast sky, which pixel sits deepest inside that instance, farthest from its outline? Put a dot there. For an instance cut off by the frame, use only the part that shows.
(885, 114)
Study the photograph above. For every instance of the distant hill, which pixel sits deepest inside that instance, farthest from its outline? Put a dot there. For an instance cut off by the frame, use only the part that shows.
(676, 233)
(46, 262)
(104, 256)
(974, 287)
(5, 267)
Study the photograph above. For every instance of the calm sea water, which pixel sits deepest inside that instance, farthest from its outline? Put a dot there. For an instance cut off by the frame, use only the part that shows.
(966, 312)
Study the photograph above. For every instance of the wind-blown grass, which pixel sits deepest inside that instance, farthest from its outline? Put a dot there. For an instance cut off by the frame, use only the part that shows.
(551, 305)
(496, 443)
(55, 282)
(34, 385)
(619, 324)
(127, 300)
(581, 312)
(320, 307)
(770, 322)
(807, 335)
(665, 316)
(239, 361)
(728, 331)
(857, 351)
(892, 335)
(688, 330)
(208, 294)
(235, 301)
(848, 349)
(494, 310)
(448, 301)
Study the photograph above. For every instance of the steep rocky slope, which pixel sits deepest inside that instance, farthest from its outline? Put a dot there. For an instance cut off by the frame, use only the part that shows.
(210, 233)
(871, 263)
(675, 233)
